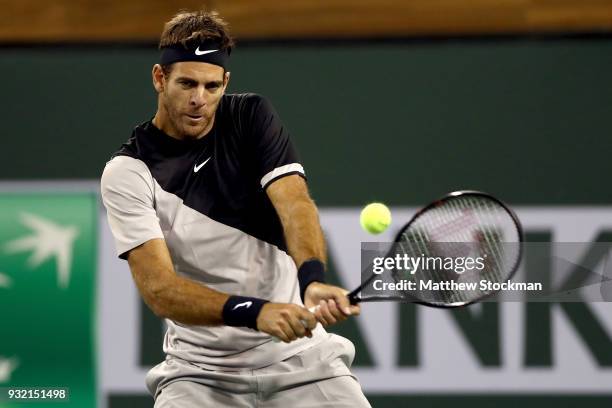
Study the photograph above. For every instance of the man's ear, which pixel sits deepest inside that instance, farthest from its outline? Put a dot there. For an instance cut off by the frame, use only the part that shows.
(158, 78)
(226, 79)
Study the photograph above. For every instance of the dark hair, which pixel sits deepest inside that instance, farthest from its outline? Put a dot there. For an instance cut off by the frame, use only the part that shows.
(187, 28)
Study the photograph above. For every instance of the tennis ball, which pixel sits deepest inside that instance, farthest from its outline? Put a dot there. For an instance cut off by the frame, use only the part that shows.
(375, 218)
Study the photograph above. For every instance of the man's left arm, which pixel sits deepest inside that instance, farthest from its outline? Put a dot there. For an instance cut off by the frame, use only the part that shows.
(306, 245)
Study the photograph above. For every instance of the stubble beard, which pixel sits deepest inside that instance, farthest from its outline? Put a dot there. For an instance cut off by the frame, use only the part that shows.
(177, 123)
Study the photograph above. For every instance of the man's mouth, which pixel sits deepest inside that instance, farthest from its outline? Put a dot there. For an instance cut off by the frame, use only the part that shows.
(196, 118)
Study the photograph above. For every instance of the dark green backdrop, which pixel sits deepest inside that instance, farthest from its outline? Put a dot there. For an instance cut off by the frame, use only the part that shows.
(529, 120)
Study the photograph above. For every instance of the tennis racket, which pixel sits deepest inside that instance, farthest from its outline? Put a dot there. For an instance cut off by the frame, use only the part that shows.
(462, 225)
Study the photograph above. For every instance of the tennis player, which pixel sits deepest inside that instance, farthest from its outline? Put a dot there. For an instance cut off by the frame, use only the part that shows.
(209, 205)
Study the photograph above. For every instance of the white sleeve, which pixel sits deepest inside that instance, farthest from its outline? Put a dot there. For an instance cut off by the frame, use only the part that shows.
(127, 189)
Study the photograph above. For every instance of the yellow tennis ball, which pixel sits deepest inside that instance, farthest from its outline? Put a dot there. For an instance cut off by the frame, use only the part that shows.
(375, 218)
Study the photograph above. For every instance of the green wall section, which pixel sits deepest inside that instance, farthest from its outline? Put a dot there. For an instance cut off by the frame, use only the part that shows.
(528, 120)
(48, 323)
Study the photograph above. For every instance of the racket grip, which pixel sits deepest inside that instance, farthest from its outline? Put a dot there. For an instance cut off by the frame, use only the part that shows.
(311, 310)
(353, 299)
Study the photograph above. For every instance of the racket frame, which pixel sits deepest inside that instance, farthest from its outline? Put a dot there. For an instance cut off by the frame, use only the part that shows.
(354, 297)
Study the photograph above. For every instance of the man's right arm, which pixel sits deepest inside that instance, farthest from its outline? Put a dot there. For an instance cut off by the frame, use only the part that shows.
(188, 302)
(169, 295)
(127, 191)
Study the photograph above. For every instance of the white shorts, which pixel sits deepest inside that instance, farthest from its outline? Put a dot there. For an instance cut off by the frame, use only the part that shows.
(316, 377)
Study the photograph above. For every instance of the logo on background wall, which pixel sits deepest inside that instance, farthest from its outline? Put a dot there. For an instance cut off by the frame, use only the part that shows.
(5, 281)
(7, 366)
(47, 240)
(498, 346)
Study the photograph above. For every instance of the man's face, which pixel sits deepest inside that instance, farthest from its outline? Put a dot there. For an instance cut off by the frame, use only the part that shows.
(190, 95)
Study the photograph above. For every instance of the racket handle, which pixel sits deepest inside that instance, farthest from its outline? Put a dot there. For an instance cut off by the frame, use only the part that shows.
(311, 310)
(353, 298)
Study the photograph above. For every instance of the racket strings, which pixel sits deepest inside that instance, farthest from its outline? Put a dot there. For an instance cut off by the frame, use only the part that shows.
(461, 227)
(487, 216)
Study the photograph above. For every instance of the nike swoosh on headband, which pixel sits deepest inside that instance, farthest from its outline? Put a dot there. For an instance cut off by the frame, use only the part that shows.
(198, 52)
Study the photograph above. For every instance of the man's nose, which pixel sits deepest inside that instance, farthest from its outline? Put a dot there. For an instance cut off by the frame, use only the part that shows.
(198, 96)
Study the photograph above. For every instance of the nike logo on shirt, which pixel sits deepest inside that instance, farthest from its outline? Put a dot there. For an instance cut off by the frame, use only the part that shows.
(197, 167)
(247, 304)
(198, 52)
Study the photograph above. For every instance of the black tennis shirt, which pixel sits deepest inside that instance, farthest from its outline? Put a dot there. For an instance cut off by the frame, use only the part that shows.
(206, 198)
(223, 174)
